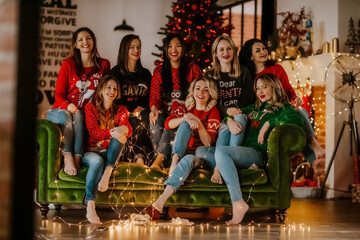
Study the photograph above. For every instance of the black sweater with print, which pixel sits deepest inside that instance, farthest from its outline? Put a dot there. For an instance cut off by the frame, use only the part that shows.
(135, 88)
(235, 92)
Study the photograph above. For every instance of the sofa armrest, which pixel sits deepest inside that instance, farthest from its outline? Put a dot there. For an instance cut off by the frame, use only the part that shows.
(284, 141)
(48, 138)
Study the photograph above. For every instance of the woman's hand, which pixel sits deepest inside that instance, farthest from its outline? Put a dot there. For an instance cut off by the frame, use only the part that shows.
(297, 102)
(232, 111)
(193, 120)
(72, 108)
(137, 111)
(120, 133)
(154, 114)
(234, 126)
(188, 116)
(193, 124)
(262, 132)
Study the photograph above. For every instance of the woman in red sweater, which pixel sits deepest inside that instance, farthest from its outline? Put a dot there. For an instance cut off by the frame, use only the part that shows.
(254, 55)
(77, 81)
(108, 126)
(197, 121)
(169, 85)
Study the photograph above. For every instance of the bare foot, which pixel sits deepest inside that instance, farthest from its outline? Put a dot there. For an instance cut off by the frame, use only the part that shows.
(174, 162)
(239, 210)
(216, 177)
(158, 162)
(158, 206)
(69, 165)
(319, 151)
(91, 213)
(104, 182)
(159, 203)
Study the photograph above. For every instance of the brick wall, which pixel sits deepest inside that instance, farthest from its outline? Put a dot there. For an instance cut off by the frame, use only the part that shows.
(248, 27)
(318, 103)
(8, 44)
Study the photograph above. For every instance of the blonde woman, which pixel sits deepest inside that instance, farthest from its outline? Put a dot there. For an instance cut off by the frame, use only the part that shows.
(270, 109)
(235, 91)
(197, 121)
(77, 81)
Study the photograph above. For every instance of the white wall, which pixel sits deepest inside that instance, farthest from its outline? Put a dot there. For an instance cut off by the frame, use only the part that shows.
(145, 16)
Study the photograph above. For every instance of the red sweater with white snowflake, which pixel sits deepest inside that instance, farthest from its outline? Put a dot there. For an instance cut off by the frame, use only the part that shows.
(209, 119)
(194, 72)
(71, 88)
(279, 71)
(96, 132)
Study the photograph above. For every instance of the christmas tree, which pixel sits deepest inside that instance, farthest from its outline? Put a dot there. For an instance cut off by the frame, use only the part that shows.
(199, 22)
(351, 42)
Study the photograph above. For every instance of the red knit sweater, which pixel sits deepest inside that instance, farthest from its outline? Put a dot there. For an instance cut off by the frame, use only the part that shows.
(97, 135)
(155, 90)
(78, 90)
(210, 120)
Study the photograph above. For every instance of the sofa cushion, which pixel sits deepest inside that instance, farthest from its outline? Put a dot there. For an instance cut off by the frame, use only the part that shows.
(128, 173)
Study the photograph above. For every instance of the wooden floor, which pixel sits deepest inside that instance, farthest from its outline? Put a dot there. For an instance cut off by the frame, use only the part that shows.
(306, 219)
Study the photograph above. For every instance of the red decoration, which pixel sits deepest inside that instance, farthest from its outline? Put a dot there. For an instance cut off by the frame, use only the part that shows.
(194, 7)
(188, 22)
(208, 21)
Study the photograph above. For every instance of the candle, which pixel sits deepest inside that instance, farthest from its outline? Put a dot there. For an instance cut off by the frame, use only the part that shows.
(335, 45)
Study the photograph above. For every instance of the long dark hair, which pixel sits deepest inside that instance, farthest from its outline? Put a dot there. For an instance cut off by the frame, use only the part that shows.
(123, 56)
(76, 54)
(246, 54)
(167, 82)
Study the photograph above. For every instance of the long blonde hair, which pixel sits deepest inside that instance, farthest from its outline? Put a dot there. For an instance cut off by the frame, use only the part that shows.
(190, 102)
(214, 72)
(279, 96)
(99, 102)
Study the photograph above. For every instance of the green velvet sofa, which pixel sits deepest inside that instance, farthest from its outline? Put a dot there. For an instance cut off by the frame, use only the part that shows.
(135, 185)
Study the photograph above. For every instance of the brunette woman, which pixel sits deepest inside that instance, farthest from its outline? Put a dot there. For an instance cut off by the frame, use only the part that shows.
(169, 86)
(135, 92)
(108, 126)
(77, 81)
(254, 55)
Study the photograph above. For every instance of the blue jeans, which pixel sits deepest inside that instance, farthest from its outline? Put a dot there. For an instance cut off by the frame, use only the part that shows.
(228, 159)
(226, 138)
(184, 168)
(182, 139)
(72, 129)
(97, 162)
(161, 137)
(308, 150)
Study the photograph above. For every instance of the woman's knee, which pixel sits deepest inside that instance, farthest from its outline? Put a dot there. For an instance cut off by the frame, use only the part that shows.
(241, 118)
(220, 154)
(184, 125)
(201, 151)
(93, 160)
